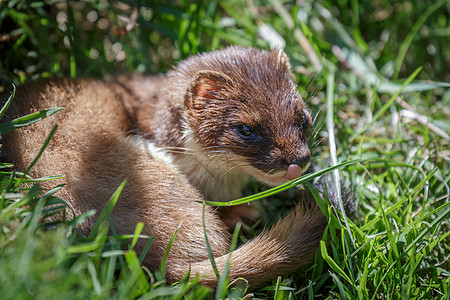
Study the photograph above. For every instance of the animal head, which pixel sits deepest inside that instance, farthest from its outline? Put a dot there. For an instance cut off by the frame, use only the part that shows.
(243, 108)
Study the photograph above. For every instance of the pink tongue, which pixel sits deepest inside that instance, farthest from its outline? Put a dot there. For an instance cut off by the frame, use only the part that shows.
(294, 171)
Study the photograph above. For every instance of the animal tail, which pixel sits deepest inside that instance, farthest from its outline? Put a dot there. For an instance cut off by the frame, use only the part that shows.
(289, 245)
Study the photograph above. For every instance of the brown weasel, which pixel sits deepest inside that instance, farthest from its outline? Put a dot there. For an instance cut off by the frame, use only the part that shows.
(228, 114)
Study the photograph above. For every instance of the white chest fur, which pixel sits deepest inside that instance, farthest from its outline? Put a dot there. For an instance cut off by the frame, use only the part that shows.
(212, 173)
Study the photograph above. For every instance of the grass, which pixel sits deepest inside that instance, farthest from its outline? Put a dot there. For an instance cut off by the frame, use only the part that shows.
(350, 60)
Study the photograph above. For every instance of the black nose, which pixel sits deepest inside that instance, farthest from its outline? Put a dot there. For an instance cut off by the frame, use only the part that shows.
(302, 160)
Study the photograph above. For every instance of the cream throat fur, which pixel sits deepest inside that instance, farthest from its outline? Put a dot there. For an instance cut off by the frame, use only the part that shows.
(211, 172)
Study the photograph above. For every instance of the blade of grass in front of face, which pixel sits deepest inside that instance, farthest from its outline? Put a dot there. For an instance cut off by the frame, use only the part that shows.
(377, 162)
(283, 187)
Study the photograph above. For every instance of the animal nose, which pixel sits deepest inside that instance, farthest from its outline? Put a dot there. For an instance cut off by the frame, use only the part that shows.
(301, 160)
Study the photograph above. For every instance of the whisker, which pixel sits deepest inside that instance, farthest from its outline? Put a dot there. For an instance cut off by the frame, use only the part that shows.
(317, 114)
(268, 173)
(234, 167)
(232, 160)
(318, 142)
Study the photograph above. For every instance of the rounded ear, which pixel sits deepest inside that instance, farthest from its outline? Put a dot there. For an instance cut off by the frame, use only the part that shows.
(206, 86)
(281, 58)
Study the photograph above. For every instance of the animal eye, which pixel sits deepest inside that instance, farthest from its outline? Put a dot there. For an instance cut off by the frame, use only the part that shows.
(245, 131)
(303, 121)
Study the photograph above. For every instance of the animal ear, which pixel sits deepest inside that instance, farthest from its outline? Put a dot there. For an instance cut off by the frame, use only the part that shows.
(281, 58)
(206, 86)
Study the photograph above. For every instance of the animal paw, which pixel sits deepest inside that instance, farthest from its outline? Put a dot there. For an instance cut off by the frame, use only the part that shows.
(246, 214)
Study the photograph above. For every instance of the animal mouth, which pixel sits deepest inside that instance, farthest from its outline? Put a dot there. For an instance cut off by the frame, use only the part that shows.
(294, 171)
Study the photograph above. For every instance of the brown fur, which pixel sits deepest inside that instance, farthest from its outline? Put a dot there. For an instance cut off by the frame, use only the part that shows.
(193, 113)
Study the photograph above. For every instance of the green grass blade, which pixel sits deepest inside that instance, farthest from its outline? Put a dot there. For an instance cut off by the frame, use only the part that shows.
(27, 120)
(208, 245)
(107, 272)
(283, 187)
(362, 288)
(223, 280)
(47, 141)
(385, 107)
(342, 289)
(399, 203)
(333, 155)
(8, 102)
(137, 283)
(331, 262)
(106, 211)
(278, 293)
(409, 38)
(162, 266)
(320, 202)
(137, 232)
(93, 272)
(445, 214)
(96, 244)
(32, 193)
(146, 248)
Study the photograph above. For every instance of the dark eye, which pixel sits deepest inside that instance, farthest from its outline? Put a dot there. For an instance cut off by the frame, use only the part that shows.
(245, 131)
(303, 121)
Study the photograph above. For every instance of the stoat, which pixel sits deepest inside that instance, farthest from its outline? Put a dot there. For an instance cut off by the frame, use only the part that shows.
(206, 126)
(228, 115)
